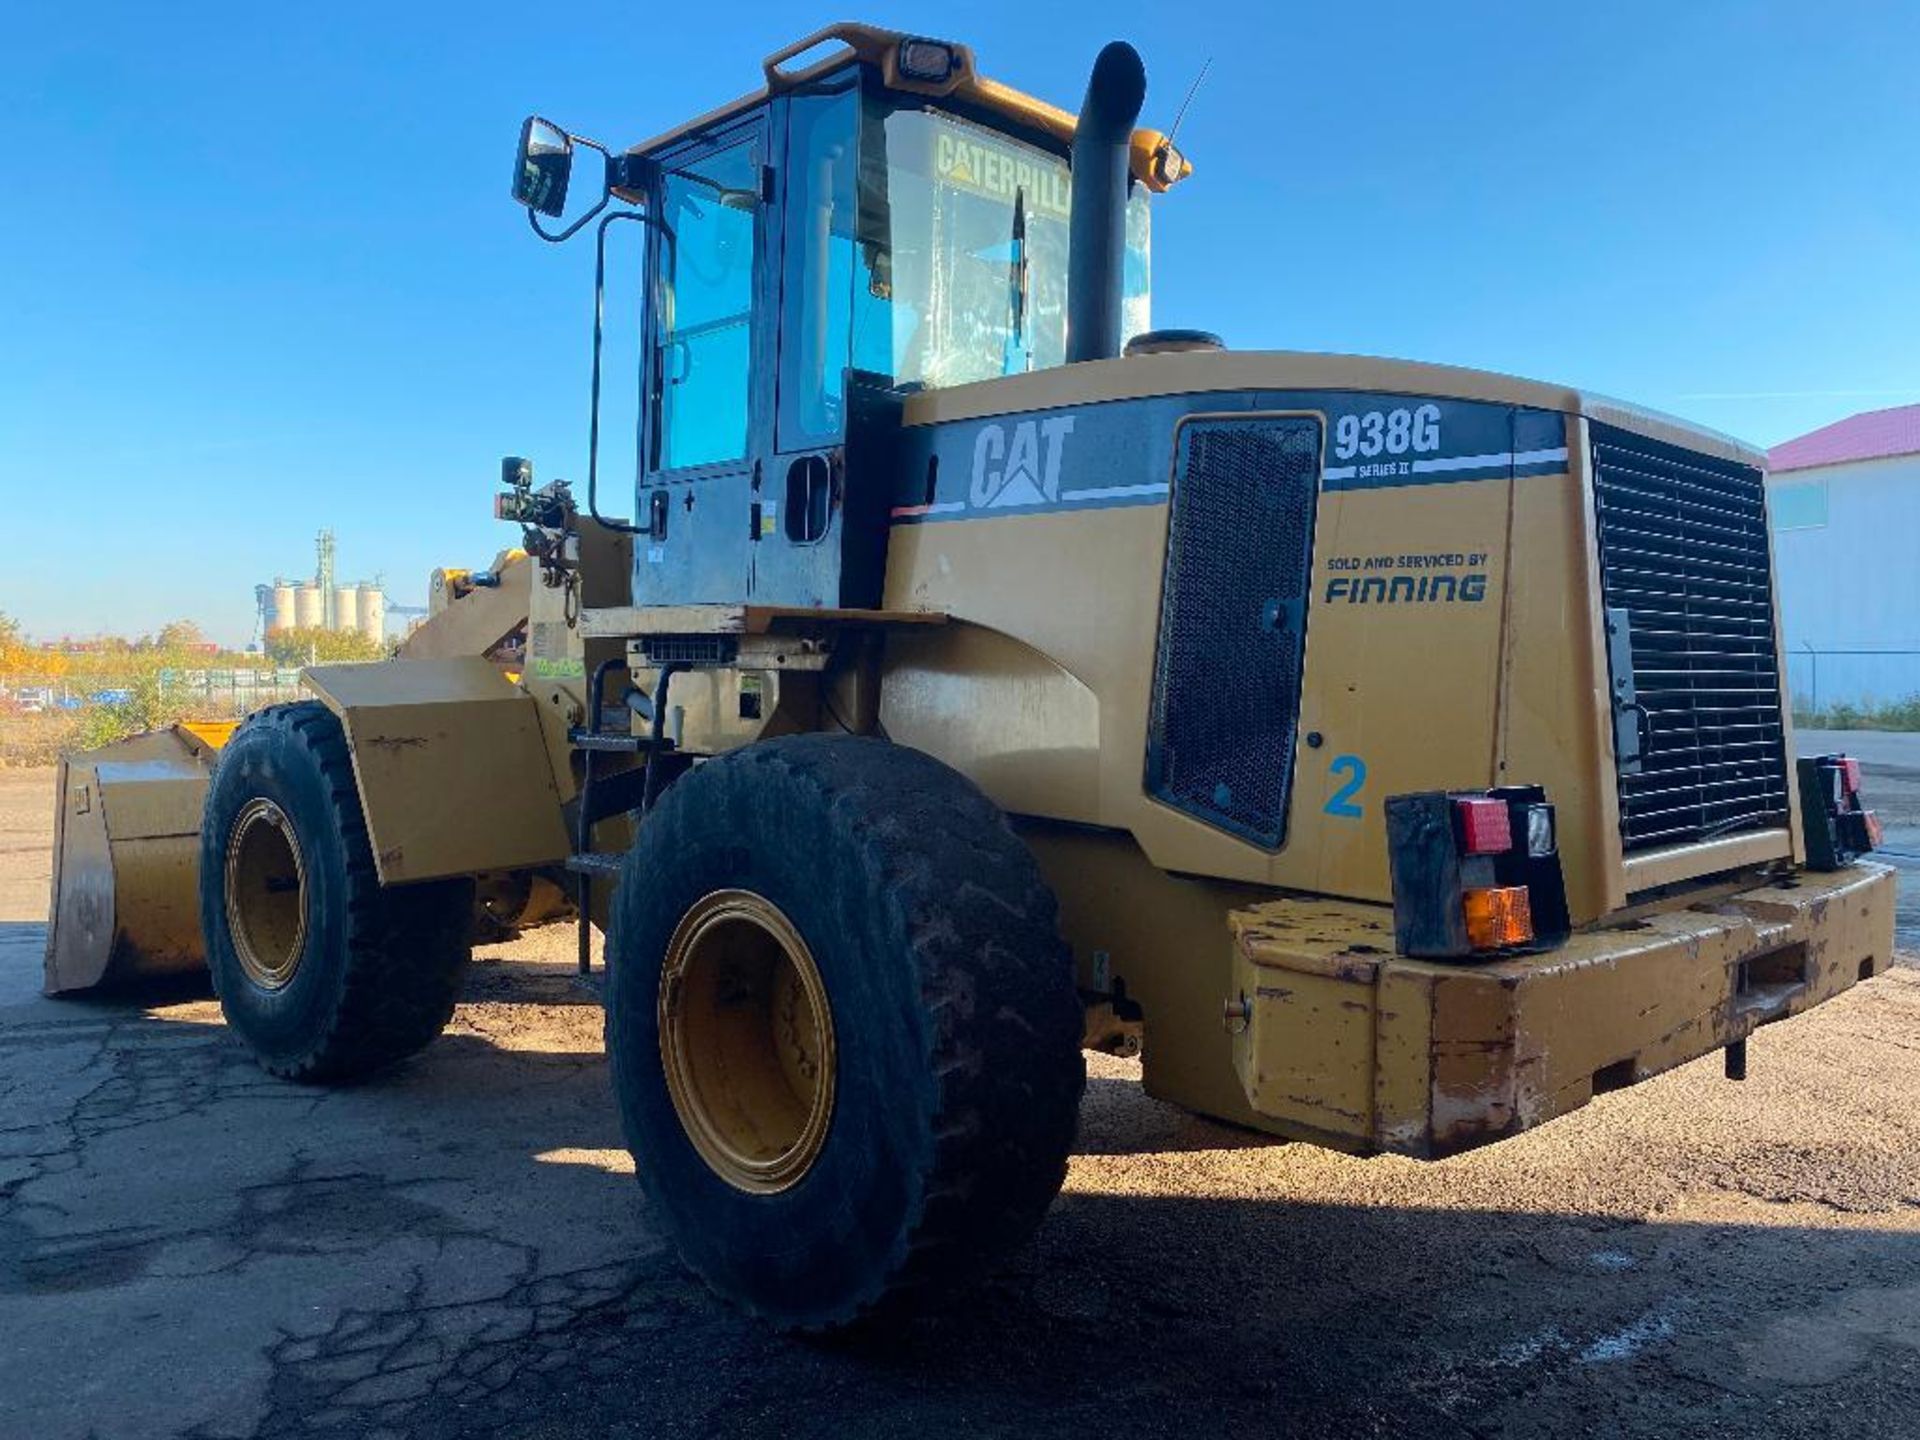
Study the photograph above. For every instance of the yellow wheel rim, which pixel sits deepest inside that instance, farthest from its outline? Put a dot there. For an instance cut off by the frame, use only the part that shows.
(746, 1039)
(266, 894)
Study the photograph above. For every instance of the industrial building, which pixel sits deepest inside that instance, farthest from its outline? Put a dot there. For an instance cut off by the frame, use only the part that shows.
(1845, 501)
(321, 603)
(304, 605)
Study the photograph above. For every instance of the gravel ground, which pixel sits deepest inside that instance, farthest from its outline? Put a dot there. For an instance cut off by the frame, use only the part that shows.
(189, 1248)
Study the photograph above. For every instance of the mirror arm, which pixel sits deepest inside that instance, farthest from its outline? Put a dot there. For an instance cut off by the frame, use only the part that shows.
(613, 166)
(533, 220)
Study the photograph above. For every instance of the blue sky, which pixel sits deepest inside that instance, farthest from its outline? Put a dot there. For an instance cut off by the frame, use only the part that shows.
(259, 273)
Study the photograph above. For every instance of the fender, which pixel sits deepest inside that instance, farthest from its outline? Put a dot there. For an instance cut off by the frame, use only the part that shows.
(454, 776)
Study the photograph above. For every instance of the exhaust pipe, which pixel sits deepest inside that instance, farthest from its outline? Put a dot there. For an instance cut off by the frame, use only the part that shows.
(1097, 232)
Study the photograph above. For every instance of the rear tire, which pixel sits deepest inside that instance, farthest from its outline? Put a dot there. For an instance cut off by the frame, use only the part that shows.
(878, 887)
(327, 977)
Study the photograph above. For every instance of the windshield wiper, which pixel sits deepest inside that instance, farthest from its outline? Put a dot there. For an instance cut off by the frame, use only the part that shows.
(1019, 355)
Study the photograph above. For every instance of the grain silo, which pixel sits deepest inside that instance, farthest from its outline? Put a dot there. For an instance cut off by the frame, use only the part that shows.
(373, 614)
(309, 608)
(346, 607)
(283, 610)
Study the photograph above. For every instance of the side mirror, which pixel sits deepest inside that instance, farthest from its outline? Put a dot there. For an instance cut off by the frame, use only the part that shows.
(542, 167)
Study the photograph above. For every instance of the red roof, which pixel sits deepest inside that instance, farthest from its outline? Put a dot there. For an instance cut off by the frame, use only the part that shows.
(1872, 436)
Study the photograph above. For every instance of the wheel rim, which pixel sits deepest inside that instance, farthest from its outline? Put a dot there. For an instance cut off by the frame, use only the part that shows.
(746, 1039)
(266, 894)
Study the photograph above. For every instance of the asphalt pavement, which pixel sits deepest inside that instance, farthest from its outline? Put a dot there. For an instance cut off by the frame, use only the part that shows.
(190, 1248)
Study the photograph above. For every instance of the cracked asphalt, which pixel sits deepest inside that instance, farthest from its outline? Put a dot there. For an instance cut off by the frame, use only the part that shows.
(190, 1248)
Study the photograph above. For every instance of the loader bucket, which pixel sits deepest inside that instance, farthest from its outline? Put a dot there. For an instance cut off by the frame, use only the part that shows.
(127, 858)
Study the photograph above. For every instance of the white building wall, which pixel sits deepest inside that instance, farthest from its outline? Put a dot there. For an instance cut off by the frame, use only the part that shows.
(1851, 583)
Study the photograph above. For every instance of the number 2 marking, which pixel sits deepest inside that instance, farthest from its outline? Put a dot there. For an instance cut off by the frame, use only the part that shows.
(1342, 802)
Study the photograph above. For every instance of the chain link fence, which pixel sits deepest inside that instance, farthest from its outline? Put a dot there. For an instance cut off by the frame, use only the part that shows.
(218, 692)
(44, 716)
(1855, 688)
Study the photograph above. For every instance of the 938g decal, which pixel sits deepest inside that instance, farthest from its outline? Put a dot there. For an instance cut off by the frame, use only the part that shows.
(1390, 432)
(1374, 442)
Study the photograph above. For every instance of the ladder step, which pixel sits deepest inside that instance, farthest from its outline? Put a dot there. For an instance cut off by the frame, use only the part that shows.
(595, 864)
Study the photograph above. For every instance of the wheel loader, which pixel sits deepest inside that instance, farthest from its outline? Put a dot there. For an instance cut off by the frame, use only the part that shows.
(967, 675)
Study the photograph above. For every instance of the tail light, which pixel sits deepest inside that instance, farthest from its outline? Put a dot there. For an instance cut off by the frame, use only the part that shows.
(1498, 916)
(1475, 872)
(1839, 827)
(1485, 826)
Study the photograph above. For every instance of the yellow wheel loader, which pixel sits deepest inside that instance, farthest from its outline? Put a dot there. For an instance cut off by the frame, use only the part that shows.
(1394, 756)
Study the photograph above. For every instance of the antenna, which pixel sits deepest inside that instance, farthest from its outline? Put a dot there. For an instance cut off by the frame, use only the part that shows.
(1192, 89)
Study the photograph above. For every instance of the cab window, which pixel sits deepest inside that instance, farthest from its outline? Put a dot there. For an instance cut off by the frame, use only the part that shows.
(923, 249)
(834, 310)
(703, 325)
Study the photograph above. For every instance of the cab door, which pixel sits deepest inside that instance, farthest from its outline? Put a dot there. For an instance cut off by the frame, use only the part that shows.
(708, 338)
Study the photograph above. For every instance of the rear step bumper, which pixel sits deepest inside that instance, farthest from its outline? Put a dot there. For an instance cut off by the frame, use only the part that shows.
(1341, 1041)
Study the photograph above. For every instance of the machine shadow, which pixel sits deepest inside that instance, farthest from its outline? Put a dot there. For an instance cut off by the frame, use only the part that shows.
(1243, 1313)
(527, 982)
(23, 945)
(491, 978)
(23, 938)
(1258, 1316)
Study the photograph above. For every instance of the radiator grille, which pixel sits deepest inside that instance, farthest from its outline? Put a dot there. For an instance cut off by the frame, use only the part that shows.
(1683, 550)
(689, 649)
(1226, 692)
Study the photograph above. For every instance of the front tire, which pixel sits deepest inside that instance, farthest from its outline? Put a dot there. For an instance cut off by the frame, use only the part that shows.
(326, 976)
(843, 1027)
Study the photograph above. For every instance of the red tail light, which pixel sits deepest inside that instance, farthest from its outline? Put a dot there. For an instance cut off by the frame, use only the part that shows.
(1485, 828)
(1475, 872)
(1836, 822)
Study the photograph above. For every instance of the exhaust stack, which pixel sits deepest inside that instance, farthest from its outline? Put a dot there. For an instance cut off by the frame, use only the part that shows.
(1097, 231)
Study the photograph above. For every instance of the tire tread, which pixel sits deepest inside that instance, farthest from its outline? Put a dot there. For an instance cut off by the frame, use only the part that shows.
(995, 983)
(407, 947)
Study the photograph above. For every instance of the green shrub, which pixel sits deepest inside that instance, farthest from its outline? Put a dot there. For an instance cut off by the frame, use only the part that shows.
(1875, 715)
(147, 707)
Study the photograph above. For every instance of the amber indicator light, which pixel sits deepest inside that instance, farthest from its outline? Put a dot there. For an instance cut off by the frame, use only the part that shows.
(1498, 916)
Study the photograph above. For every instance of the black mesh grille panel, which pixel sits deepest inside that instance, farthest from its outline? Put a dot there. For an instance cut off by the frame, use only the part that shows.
(1683, 550)
(1226, 689)
(689, 649)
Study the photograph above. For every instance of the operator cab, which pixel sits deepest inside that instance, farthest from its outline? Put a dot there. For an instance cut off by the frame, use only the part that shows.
(877, 222)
